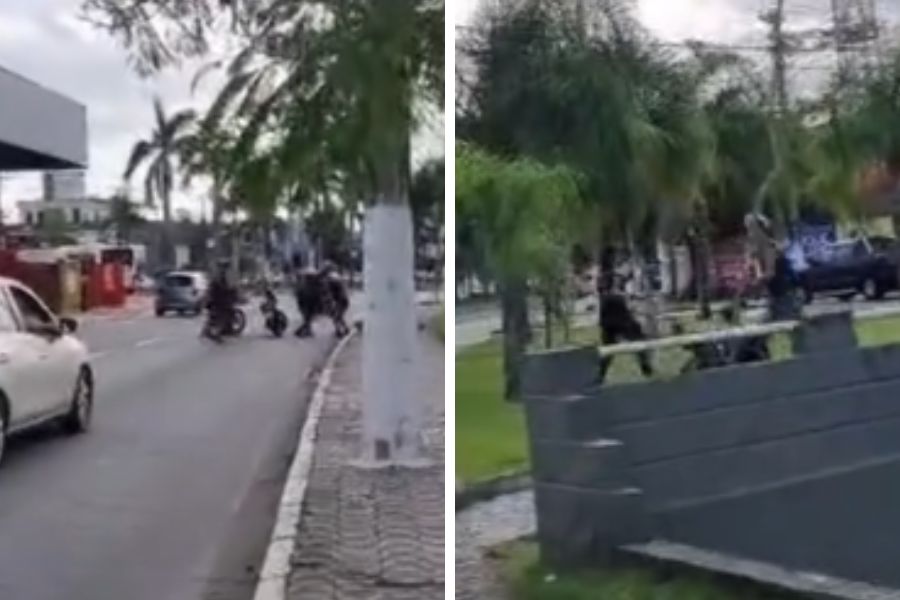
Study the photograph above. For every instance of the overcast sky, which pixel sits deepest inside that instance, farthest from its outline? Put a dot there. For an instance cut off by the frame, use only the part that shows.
(44, 40)
(731, 21)
(715, 20)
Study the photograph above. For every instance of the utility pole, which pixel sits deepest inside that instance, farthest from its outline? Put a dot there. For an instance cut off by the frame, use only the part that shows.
(760, 241)
(779, 48)
(856, 37)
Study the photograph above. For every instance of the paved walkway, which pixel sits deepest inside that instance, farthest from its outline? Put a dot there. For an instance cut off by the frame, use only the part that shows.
(374, 534)
(480, 527)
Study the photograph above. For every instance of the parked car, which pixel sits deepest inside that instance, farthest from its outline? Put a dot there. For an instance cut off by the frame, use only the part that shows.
(45, 373)
(852, 267)
(183, 292)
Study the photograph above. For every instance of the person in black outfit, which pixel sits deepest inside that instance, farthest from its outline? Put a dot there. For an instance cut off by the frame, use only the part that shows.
(321, 293)
(782, 289)
(222, 298)
(617, 323)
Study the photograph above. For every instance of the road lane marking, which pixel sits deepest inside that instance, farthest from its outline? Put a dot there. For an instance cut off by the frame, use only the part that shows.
(147, 342)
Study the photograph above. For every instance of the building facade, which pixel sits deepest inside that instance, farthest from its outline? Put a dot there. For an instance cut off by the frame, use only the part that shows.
(77, 212)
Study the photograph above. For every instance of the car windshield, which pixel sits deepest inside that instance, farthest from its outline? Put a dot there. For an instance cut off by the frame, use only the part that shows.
(179, 281)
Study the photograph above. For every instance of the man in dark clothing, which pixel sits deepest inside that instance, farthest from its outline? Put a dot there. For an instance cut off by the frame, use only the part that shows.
(222, 298)
(617, 323)
(783, 286)
(321, 293)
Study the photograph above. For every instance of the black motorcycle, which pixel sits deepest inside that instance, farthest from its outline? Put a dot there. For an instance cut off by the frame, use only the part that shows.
(275, 319)
(218, 327)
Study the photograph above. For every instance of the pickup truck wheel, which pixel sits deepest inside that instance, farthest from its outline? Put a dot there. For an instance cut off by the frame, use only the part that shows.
(871, 290)
(807, 295)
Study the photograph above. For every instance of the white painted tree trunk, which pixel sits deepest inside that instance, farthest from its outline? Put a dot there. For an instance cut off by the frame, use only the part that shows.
(392, 414)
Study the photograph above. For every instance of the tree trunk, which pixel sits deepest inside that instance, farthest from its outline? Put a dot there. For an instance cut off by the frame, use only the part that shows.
(236, 254)
(701, 275)
(606, 267)
(219, 250)
(701, 255)
(167, 249)
(673, 271)
(392, 414)
(514, 310)
(548, 321)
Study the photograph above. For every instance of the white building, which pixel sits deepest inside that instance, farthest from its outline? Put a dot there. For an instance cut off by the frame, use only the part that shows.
(65, 196)
(72, 211)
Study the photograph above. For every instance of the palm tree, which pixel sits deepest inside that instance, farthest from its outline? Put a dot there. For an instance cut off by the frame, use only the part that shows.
(210, 152)
(168, 140)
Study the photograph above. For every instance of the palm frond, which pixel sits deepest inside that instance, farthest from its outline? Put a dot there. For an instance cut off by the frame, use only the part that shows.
(226, 97)
(139, 154)
(202, 73)
(160, 113)
(174, 126)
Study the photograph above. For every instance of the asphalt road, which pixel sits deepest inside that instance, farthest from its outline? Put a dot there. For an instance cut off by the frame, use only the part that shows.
(172, 493)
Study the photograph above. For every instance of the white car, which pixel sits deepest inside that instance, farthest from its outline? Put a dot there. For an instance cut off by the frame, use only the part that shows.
(45, 374)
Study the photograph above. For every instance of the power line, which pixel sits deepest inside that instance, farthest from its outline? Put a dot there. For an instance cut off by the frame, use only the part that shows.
(687, 44)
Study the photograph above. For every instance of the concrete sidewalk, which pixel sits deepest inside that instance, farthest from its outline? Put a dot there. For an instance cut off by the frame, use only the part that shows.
(365, 533)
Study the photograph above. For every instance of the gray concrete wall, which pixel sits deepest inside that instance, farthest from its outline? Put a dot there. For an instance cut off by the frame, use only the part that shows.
(38, 127)
(776, 462)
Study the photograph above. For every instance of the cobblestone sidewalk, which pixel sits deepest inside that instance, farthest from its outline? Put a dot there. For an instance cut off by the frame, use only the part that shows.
(373, 534)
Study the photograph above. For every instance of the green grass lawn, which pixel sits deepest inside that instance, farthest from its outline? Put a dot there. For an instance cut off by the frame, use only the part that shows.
(490, 432)
(525, 579)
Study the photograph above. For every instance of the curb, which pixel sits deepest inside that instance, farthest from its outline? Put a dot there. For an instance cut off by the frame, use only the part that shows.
(272, 582)
(488, 489)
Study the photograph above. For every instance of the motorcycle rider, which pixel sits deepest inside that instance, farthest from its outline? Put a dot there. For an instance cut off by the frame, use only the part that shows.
(222, 300)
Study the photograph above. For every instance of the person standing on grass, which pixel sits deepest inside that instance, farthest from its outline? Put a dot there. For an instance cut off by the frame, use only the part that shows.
(783, 287)
(617, 323)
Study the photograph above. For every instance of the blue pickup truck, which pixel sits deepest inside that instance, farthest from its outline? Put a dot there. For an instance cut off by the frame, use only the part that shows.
(867, 266)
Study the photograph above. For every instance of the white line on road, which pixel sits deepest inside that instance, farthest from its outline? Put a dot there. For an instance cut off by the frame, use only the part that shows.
(148, 342)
